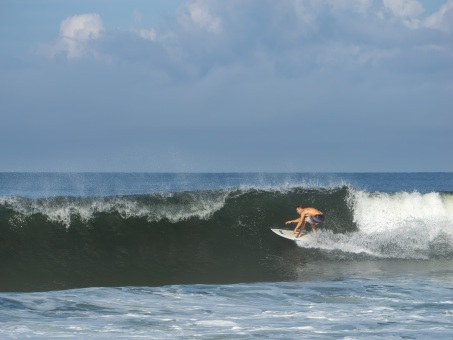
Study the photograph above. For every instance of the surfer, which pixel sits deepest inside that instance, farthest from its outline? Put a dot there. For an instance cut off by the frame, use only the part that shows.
(310, 215)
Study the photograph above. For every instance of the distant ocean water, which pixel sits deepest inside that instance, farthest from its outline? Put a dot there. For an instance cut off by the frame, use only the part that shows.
(99, 255)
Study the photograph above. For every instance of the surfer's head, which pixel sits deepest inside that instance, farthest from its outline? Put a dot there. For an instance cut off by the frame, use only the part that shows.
(299, 208)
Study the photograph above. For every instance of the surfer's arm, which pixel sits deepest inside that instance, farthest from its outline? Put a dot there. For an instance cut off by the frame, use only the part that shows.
(300, 225)
(297, 220)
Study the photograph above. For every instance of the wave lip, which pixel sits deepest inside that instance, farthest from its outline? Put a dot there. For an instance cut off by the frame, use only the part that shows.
(377, 212)
(171, 206)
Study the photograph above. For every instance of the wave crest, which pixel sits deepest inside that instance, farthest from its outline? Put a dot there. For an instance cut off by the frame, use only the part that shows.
(174, 207)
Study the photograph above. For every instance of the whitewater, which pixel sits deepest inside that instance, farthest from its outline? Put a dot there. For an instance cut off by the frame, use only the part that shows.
(192, 255)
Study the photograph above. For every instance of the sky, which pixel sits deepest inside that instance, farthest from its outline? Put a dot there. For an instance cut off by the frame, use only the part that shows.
(226, 86)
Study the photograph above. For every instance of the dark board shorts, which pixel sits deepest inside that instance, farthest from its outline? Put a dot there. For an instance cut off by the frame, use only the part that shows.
(315, 219)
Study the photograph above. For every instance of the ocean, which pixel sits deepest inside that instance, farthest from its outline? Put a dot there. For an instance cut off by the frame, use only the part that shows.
(191, 255)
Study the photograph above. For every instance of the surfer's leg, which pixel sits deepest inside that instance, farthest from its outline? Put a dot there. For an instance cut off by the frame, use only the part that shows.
(313, 228)
(301, 230)
(315, 220)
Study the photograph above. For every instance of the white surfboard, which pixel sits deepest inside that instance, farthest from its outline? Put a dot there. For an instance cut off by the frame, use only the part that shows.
(289, 234)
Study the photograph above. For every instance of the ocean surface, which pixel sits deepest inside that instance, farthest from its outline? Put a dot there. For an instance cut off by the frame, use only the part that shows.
(168, 256)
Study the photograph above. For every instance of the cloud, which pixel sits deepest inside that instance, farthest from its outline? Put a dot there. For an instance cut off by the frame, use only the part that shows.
(408, 10)
(236, 63)
(76, 34)
(404, 8)
(227, 30)
(147, 34)
(226, 41)
(358, 6)
(198, 14)
(443, 19)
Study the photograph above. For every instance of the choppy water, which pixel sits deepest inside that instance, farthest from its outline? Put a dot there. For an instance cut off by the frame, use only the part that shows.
(396, 307)
(191, 255)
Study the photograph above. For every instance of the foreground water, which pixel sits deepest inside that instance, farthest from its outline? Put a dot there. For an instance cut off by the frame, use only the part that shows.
(191, 255)
(402, 307)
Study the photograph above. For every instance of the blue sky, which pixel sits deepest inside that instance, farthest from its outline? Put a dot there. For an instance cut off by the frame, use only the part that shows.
(238, 85)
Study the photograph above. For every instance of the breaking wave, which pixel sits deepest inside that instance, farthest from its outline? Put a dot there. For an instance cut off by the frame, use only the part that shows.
(209, 236)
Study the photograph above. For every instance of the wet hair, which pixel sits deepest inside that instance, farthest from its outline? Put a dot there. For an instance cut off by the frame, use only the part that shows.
(299, 206)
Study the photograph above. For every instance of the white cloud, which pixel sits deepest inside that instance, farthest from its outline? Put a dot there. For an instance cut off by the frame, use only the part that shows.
(443, 19)
(408, 10)
(150, 34)
(404, 8)
(76, 33)
(278, 31)
(198, 14)
(304, 11)
(358, 6)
